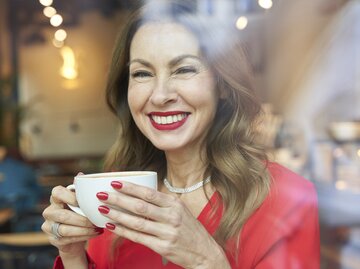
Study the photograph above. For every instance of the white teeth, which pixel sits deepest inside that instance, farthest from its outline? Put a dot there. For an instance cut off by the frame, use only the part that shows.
(168, 119)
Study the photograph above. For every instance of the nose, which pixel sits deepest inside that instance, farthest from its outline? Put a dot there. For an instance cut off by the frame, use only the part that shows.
(163, 92)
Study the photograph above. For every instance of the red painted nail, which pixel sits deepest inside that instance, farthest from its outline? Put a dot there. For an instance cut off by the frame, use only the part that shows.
(102, 196)
(104, 209)
(99, 230)
(110, 226)
(116, 184)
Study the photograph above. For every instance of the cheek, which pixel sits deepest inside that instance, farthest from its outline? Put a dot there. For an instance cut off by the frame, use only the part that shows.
(137, 96)
(201, 93)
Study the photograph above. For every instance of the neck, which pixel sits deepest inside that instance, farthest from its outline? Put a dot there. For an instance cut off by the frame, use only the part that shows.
(184, 170)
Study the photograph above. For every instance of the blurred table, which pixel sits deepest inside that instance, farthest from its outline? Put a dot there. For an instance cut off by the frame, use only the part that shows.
(24, 239)
(30, 250)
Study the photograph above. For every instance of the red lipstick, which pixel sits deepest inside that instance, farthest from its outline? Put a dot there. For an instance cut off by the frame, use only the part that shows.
(168, 126)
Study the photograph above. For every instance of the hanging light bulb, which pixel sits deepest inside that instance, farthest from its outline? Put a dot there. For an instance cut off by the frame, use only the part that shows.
(46, 3)
(49, 11)
(266, 4)
(241, 23)
(56, 20)
(60, 35)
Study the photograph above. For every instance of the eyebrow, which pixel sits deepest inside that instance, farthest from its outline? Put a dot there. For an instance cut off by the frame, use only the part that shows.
(173, 62)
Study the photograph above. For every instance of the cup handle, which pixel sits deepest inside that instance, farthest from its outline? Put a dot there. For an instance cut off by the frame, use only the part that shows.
(76, 209)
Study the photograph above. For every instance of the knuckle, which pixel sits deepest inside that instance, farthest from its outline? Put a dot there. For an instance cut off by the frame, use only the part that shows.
(43, 227)
(166, 249)
(62, 216)
(174, 199)
(173, 238)
(45, 213)
(150, 195)
(56, 191)
(141, 207)
(176, 219)
(136, 238)
(116, 199)
(140, 224)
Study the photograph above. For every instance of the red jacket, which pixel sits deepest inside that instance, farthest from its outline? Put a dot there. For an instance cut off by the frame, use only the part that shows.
(283, 233)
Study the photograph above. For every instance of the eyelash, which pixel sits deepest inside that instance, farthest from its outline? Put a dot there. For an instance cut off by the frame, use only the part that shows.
(186, 69)
(179, 71)
(141, 74)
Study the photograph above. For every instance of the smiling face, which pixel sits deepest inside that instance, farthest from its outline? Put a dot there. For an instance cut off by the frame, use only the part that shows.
(172, 92)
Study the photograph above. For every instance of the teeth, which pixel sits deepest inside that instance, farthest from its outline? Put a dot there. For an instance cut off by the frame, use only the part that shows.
(168, 119)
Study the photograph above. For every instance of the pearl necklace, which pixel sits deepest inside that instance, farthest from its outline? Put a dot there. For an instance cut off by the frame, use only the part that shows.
(188, 189)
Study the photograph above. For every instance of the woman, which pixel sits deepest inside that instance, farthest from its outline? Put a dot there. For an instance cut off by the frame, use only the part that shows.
(188, 111)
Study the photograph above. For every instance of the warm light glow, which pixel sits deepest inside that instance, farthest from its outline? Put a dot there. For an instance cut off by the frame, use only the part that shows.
(340, 185)
(358, 152)
(46, 2)
(49, 11)
(241, 23)
(56, 20)
(69, 68)
(57, 43)
(60, 35)
(266, 4)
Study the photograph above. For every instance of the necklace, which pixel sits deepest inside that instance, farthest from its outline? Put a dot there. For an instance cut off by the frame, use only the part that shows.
(188, 189)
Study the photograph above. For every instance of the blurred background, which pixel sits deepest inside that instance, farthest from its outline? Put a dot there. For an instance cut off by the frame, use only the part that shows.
(54, 58)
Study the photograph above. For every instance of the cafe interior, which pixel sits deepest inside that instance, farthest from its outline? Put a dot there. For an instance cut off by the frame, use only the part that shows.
(54, 122)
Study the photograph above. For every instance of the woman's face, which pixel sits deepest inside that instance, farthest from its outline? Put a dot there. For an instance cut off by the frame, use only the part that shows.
(171, 94)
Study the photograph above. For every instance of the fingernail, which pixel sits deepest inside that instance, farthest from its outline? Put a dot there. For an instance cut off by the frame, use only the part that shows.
(99, 230)
(104, 209)
(110, 226)
(102, 196)
(80, 173)
(116, 184)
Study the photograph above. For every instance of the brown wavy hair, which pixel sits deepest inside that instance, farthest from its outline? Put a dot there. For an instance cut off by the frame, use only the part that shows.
(237, 165)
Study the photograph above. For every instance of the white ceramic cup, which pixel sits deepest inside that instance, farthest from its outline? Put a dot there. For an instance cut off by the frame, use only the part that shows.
(87, 186)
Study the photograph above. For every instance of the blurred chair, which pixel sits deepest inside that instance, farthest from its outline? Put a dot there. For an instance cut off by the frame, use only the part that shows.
(20, 192)
(26, 251)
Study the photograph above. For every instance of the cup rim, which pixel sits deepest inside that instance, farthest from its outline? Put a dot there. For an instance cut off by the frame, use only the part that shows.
(117, 174)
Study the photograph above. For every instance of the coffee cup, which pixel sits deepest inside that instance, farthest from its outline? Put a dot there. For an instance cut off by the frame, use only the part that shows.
(87, 186)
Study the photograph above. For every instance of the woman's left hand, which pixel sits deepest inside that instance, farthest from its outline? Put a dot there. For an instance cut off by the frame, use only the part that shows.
(163, 223)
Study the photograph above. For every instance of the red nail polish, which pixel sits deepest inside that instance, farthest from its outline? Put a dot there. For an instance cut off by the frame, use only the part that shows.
(99, 230)
(116, 184)
(110, 226)
(102, 196)
(104, 209)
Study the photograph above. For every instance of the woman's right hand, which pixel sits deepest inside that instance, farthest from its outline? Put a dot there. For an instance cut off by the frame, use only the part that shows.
(74, 229)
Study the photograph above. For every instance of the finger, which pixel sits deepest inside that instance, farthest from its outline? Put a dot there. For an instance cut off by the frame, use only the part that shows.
(144, 193)
(63, 241)
(141, 238)
(138, 207)
(65, 216)
(71, 231)
(61, 195)
(139, 224)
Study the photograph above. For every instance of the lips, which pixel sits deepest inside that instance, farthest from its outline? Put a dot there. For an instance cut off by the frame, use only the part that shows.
(170, 120)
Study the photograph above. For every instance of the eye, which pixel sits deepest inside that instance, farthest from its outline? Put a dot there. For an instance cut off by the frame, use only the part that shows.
(141, 74)
(186, 70)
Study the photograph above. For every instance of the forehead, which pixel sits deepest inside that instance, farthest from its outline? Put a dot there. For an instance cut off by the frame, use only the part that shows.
(162, 38)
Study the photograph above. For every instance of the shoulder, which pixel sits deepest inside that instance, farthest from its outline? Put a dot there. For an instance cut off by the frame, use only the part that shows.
(288, 189)
(291, 198)
(291, 202)
(288, 214)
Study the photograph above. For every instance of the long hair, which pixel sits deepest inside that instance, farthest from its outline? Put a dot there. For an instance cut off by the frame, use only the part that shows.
(236, 164)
